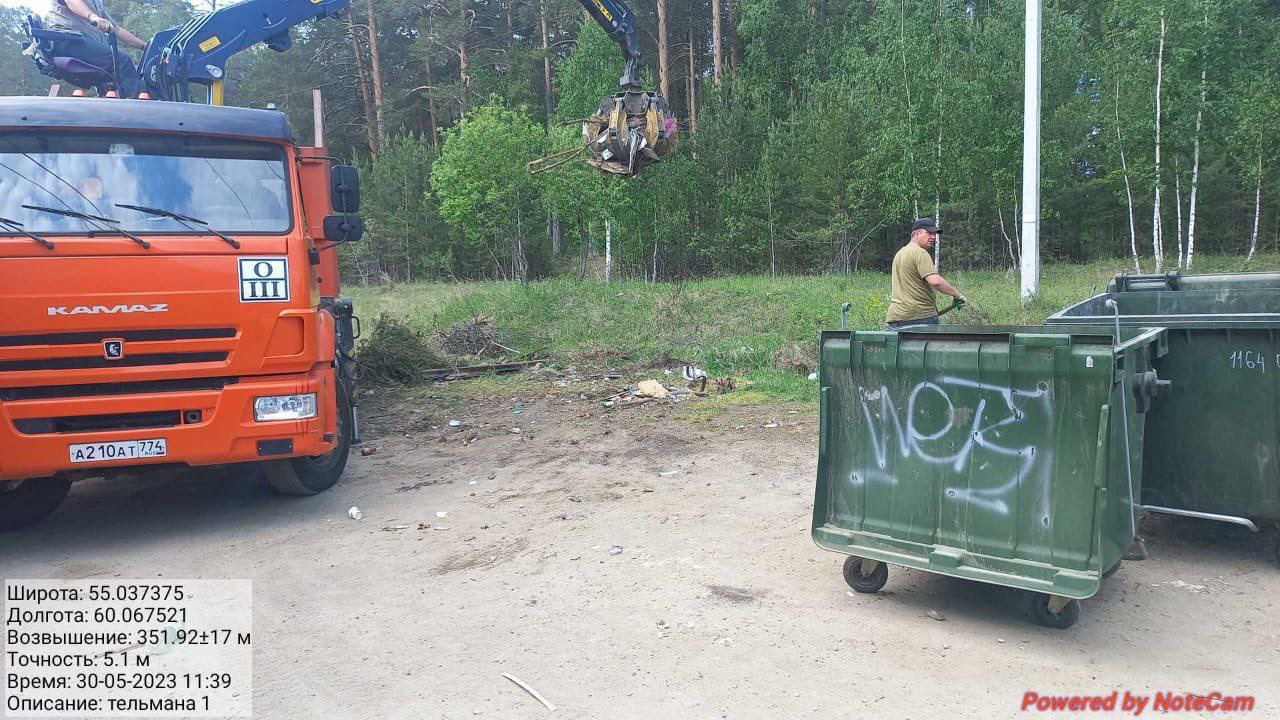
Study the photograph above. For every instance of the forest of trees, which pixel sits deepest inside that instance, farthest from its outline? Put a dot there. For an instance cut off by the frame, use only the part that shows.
(813, 131)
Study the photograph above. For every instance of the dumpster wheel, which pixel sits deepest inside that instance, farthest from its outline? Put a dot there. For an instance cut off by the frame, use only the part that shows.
(865, 582)
(1042, 611)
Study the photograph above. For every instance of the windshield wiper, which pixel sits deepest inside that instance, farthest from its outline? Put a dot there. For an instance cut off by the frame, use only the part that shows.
(186, 220)
(94, 218)
(16, 228)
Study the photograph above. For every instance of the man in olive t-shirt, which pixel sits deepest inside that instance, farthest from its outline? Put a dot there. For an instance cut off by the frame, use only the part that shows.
(911, 300)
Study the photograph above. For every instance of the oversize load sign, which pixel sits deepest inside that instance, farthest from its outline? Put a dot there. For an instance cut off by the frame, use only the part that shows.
(264, 279)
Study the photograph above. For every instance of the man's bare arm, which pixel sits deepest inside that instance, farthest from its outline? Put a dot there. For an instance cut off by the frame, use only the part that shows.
(81, 8)
(940, 284)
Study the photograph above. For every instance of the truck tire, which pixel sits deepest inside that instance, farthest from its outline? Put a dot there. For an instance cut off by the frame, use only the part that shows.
(26, 502)
(312, 475)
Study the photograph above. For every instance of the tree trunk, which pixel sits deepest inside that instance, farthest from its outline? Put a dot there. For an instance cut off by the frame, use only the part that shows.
(1008, 241)
(584, 235)
(773, 243)
(1157, 224)
(1177, 199)
(693, 88)
(608, 251)
(664, 50)
(365, 94)
(735, 50)
(464, 67)
(557, 236)
(717, 45)
(1128, 189)
(519, 261)
(1195, 176)
(376, 62)
(1257, 210)
(433, 122)
(549, 95)
(937, 200)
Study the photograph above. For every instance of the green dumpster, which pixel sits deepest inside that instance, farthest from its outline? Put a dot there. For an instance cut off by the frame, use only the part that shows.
(996, 454)
(1213, 440)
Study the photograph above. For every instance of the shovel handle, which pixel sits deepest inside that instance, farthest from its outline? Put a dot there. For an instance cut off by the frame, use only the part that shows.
(955, 305)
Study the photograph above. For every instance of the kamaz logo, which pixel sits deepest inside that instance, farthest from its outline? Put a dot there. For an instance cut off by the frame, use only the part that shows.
(107, 309)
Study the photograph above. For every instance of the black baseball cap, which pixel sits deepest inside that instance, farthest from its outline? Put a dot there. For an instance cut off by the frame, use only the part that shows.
(926, 223)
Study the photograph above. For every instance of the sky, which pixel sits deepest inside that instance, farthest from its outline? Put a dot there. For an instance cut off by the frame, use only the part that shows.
(39, 5)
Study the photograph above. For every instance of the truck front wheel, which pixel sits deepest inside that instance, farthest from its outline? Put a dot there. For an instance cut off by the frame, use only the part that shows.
(312, 475)
(26, 502)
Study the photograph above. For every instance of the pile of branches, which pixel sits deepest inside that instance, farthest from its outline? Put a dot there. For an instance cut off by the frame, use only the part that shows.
(475, 337)
(396, 353)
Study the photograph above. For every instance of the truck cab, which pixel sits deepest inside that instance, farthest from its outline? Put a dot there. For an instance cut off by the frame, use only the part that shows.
(170, 297)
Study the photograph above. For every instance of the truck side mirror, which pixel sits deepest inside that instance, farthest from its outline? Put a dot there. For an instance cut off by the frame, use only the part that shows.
(343, 228)
(345, 188)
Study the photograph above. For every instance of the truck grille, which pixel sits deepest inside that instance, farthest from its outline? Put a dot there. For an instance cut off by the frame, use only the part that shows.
(89, 363)
(50, 392)
(97, 423)
(97, 336)
(84, 350)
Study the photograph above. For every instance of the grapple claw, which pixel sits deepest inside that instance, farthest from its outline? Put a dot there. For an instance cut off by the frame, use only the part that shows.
(632, 130)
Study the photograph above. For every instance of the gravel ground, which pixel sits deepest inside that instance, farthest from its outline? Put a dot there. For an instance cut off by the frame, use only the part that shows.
(717, 606)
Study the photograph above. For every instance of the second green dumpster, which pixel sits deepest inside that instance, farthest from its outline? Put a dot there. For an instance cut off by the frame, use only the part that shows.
(1006, 455)
(1213, 447)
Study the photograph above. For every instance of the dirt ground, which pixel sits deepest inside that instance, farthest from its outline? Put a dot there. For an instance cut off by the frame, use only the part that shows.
(717, 606)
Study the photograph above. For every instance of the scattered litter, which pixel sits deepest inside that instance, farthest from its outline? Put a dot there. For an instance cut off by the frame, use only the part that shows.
(668, 473)
(692, 373)
(472, 482)
(1000, 640)
(456, 423)
(529, 690)
(516, 411)
(937, 615)
(442, 515)
(651, 388)
(772, 425)
(368, 450)
(355, 514)
(813, 376)
(615, 550)
(394, 528)
(441, 527)
(515, 431)
(606, 403)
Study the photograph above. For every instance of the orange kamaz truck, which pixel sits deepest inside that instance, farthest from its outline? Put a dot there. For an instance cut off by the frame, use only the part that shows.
(169, 296)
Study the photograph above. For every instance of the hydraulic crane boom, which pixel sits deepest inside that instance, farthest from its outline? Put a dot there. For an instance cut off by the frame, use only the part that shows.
(198, 51)
(616, 18)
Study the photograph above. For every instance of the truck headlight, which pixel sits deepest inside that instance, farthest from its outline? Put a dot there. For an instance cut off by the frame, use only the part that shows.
(284, 407)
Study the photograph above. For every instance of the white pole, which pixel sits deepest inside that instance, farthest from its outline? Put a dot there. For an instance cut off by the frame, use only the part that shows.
(1031, 156)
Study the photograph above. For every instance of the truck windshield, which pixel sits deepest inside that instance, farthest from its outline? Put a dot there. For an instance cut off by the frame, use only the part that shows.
(235, 186)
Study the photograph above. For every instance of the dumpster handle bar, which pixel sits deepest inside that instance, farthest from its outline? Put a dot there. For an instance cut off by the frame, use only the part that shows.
(1124, 408)
(1203, 516)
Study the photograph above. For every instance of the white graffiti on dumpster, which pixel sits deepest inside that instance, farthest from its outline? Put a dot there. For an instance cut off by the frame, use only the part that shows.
(1008, 407)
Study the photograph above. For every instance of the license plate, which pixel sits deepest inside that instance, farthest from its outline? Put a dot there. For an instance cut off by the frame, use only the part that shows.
(122, 450)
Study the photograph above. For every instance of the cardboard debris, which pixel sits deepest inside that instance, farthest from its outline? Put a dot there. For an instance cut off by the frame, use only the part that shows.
(651, 388)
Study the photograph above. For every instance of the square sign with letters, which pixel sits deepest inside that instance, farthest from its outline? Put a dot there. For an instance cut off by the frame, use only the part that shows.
(264, 279)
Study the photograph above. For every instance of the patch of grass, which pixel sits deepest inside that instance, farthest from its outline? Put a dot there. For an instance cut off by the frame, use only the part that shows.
(725, 325)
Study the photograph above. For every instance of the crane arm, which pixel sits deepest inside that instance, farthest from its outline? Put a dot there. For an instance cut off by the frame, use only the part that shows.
(616, 18)
(198, 51)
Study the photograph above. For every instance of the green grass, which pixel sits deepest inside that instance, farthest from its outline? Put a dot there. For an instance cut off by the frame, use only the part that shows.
(726, 325)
